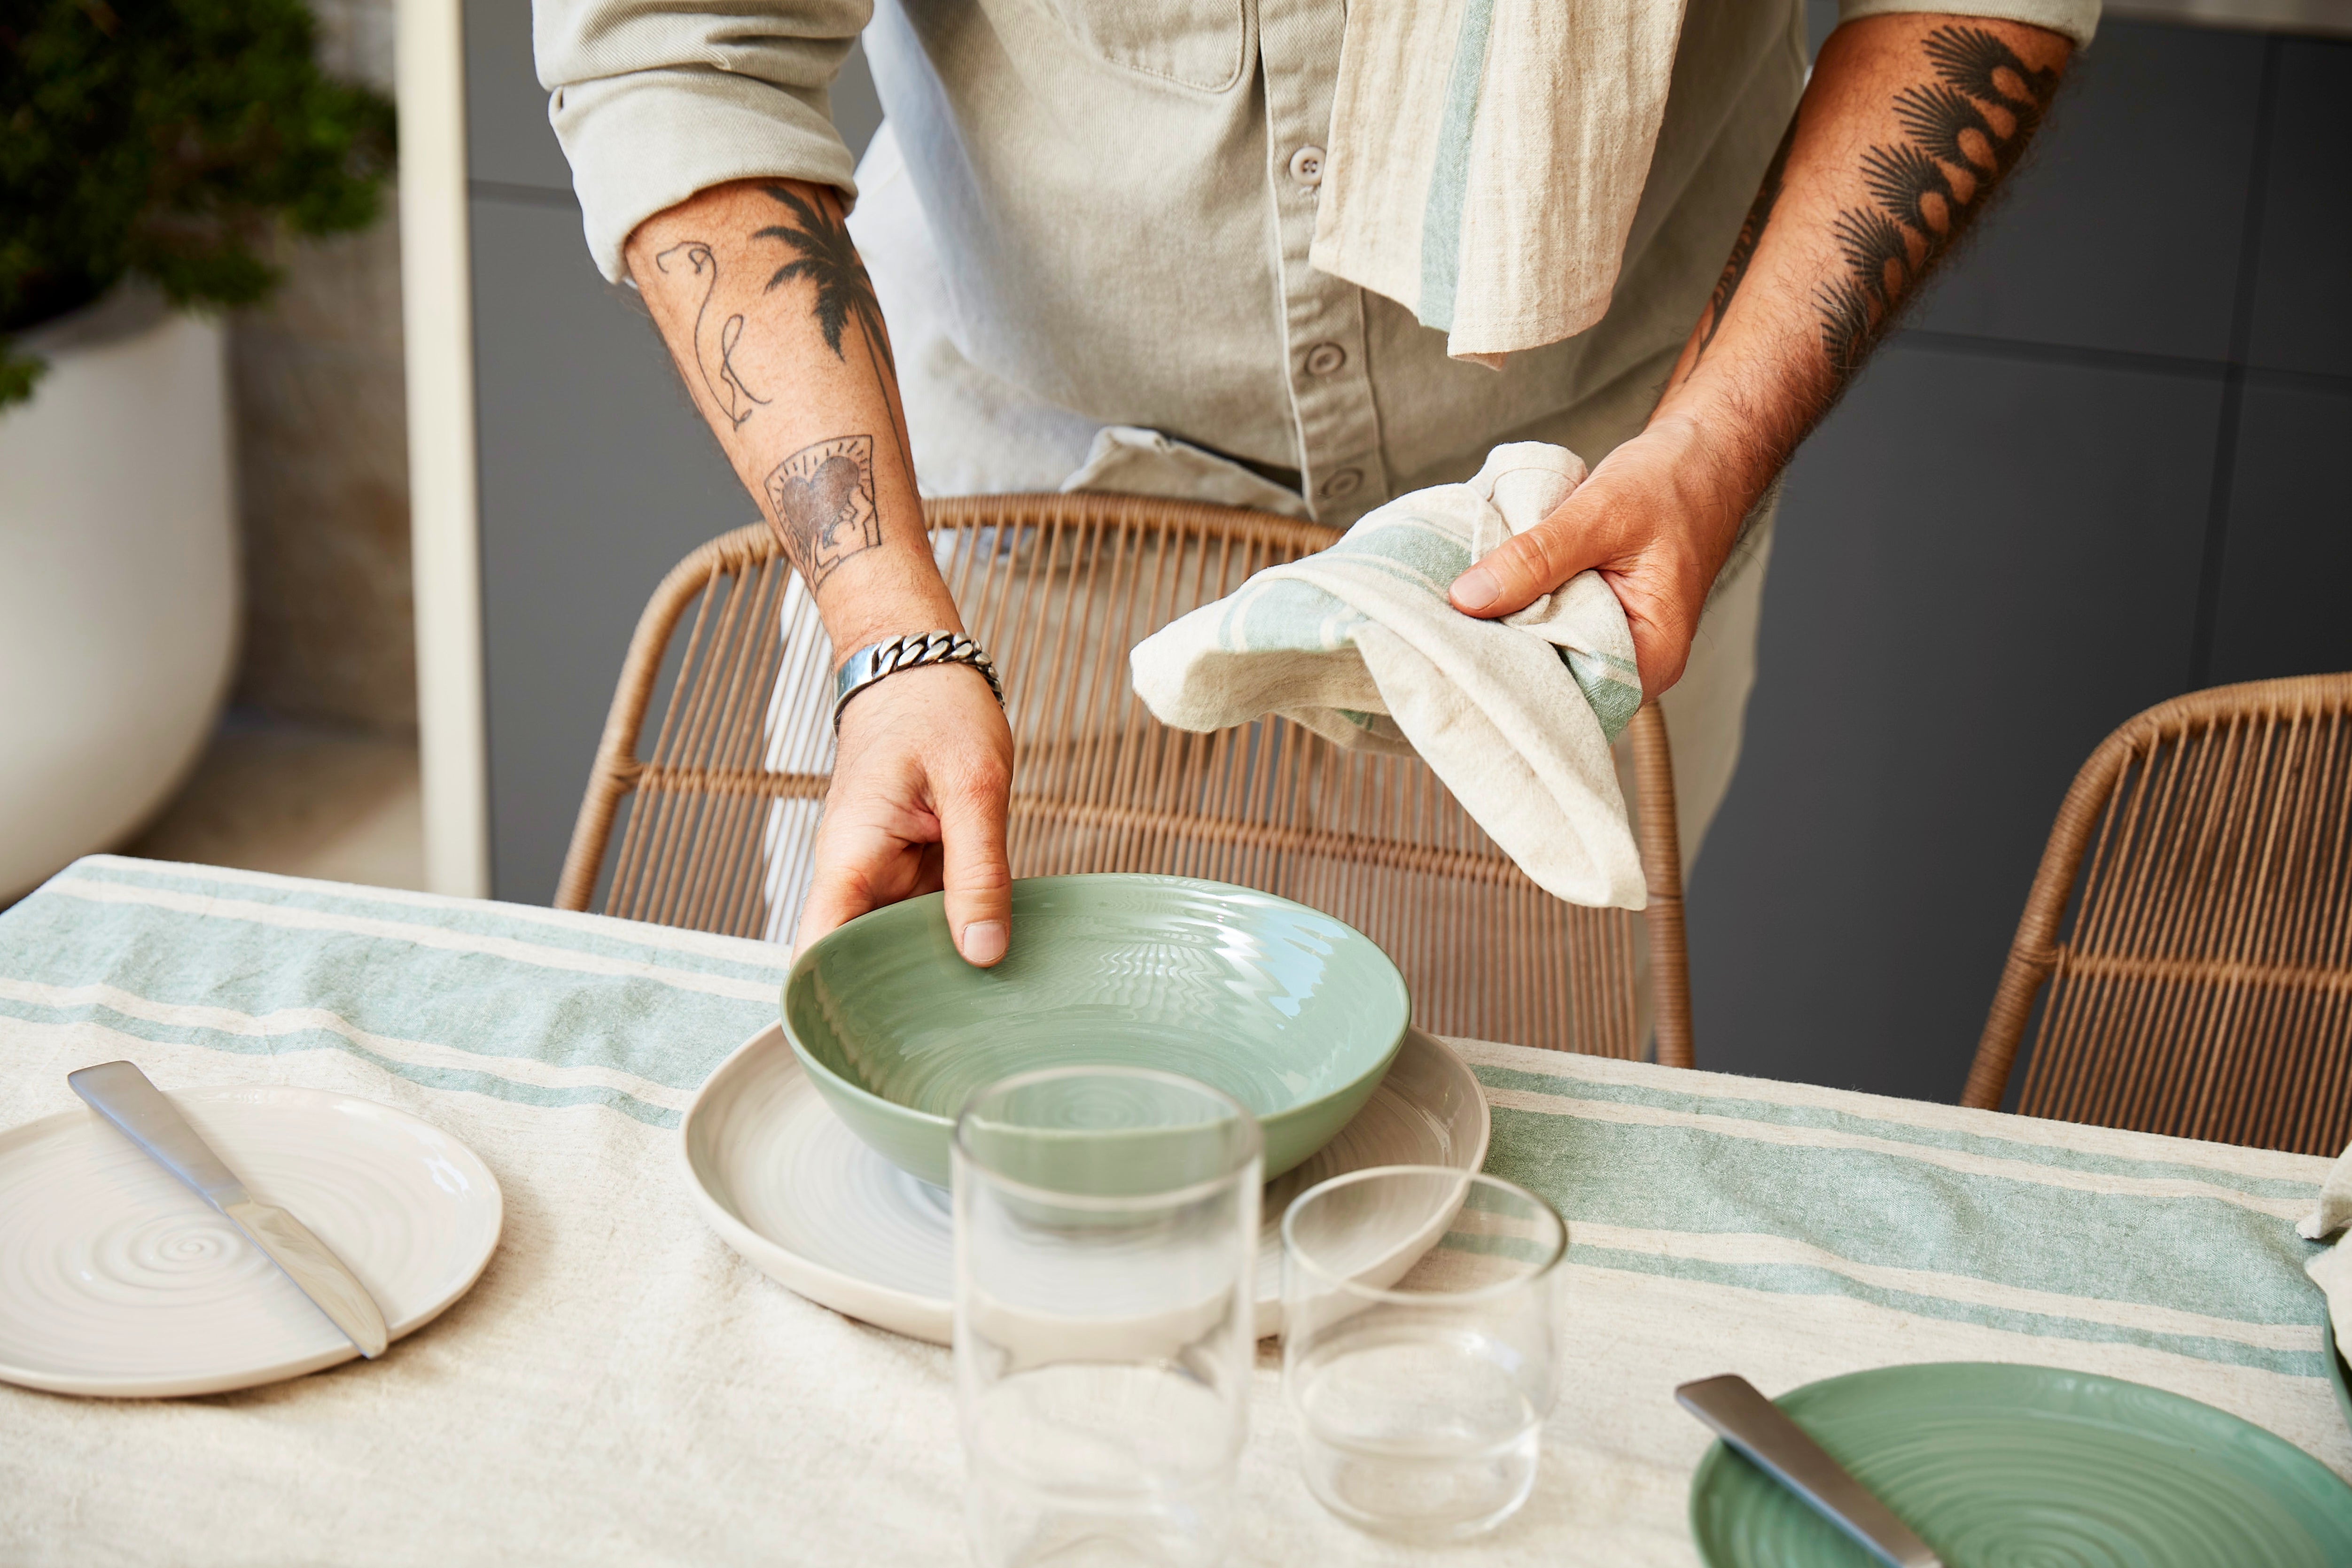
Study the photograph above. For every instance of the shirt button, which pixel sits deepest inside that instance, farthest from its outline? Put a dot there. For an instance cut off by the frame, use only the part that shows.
(1343, 484)
(1325, 359)
(1306, 166)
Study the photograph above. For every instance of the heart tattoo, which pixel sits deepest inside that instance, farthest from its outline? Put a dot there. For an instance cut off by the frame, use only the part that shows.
(823, 498)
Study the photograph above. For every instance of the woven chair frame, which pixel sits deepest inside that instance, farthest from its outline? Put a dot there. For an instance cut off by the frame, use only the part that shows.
(722, 810)
(2204, 989)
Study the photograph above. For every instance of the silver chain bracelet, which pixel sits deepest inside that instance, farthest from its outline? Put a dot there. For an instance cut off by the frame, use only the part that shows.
(871, 663)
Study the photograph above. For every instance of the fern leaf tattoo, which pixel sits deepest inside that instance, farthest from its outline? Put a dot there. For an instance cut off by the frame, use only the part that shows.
(1927, 188)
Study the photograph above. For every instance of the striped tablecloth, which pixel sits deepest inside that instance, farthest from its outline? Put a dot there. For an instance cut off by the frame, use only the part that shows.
(619, 1387)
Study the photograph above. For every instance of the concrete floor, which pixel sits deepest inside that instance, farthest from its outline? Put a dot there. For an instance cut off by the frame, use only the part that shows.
(338, 805)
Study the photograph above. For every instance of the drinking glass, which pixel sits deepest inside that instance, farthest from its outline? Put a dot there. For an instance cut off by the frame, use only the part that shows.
(1420, 1378)
(1106, 1233)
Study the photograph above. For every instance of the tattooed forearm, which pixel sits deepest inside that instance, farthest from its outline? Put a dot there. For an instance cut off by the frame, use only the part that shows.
(823, 500)
(1743, 249)
(1965, 131)
(773, 325)
(714, 350)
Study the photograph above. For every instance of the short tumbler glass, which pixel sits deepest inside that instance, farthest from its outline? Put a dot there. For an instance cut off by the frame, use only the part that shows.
(1105, 1234)
(1422, 1376)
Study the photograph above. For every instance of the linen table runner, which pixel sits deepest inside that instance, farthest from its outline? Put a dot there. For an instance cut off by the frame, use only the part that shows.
(620, 1388)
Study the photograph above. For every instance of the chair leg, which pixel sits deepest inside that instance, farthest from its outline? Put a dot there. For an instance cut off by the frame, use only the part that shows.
(1662, 867)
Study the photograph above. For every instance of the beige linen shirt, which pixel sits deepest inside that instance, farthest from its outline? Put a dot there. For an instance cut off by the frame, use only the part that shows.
(1091, 213)
(1122, 194)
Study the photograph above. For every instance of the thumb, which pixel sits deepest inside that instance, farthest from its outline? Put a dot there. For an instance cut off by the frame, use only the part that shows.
(1526, 567)
(979, 881)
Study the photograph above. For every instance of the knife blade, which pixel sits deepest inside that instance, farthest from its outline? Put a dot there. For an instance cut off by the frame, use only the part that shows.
(123, 1094)
(1756, 1428)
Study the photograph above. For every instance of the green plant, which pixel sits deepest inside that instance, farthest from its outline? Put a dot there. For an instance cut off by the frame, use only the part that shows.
(167, 138)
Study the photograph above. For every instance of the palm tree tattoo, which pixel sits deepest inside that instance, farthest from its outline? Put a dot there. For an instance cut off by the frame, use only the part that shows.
(825, 495)
(829, 260)
(727, 390)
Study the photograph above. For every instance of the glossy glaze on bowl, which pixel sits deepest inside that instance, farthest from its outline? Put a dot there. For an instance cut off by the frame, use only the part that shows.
(1288, 1011)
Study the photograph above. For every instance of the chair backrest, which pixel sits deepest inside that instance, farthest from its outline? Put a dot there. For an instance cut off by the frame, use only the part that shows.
(1058, 588)
(2205, 986)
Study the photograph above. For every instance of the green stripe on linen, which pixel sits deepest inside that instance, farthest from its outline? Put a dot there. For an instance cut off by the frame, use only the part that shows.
(1406, 545)
(586, 934)
(1286, 614)
(490, 998)
(485, 1079)
(1884, 1210)
(1800, 1280)
(1831, 1119)
(1612, 685)
(1449, 180)
(1517, 1248)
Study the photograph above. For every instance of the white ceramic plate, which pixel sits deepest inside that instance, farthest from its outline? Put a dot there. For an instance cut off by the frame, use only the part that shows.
(785, 1183)
(115, 1279)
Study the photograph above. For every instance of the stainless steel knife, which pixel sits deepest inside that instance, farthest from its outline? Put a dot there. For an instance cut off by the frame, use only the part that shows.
(121, 1093)
(1756, 1427)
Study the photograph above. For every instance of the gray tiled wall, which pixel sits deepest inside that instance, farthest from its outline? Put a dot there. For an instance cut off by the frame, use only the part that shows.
(2099, 469)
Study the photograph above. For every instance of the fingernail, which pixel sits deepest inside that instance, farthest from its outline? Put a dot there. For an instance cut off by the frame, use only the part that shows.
(1475, 588)
(983, 942)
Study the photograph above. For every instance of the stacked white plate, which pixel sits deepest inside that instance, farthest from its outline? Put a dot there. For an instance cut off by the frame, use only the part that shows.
(785, 1183)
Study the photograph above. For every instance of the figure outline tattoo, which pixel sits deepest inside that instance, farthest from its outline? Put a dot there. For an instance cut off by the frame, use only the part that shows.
(823, 500)
(737, 402)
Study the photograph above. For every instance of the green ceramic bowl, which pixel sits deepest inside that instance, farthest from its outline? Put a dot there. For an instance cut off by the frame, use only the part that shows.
(1288, 1010)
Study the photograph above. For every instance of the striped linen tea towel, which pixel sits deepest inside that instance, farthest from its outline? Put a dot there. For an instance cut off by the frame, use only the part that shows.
(1487, 156)
(1359, 644)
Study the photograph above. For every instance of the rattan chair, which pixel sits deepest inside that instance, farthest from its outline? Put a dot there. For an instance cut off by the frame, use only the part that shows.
(1058, 588)
(2205, 986)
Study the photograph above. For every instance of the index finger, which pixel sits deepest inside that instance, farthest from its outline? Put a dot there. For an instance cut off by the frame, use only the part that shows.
(837, 896)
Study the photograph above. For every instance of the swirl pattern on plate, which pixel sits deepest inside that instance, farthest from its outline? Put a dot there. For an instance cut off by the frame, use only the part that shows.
(117, 1279)
(2025, 1467)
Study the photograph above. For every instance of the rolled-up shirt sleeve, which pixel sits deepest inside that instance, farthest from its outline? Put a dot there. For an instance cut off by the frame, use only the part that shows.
(2077, 19)
(655, 100)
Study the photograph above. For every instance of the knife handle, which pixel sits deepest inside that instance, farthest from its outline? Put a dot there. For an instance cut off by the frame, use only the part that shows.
(1761, 1430)
(121, 1093)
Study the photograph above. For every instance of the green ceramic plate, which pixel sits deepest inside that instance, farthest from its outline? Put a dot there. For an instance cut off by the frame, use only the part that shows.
(1283, 1007)
(1997, 1465)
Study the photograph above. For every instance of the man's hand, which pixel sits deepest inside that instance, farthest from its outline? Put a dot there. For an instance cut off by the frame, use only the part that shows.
(917, 803)
(1657, 519)
(1908, 124)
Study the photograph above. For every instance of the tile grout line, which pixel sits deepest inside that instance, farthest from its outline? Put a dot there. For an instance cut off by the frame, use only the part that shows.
(2233, 382)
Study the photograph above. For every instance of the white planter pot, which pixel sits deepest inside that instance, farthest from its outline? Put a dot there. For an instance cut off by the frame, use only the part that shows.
(118, 581)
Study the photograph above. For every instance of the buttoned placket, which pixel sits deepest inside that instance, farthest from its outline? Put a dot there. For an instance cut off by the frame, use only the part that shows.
(1328, 373)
